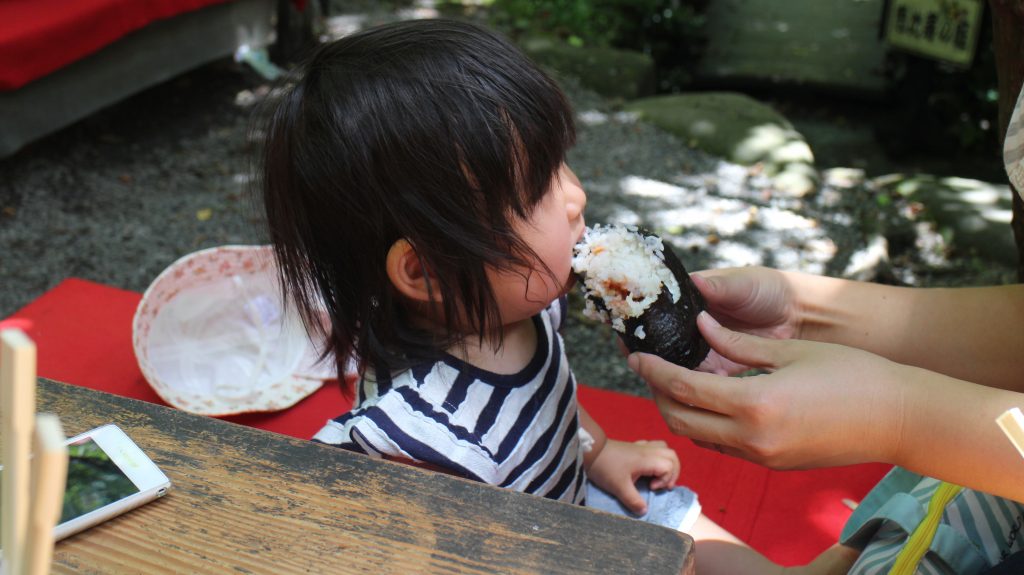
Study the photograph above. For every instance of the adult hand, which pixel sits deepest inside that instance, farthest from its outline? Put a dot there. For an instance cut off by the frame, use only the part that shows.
(820, 405)
(754, 300)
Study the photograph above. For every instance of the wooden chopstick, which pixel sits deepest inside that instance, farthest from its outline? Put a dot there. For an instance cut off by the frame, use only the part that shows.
(18, 402)
(49, 474)
(1012, 424)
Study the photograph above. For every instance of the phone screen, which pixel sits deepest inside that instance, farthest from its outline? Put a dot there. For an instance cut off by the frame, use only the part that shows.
(93, 480)
(105, 472)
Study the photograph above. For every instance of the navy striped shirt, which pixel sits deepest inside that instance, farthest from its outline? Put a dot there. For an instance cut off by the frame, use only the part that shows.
(518, 431)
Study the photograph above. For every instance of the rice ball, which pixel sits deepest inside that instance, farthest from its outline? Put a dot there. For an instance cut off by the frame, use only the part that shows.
(634, 282)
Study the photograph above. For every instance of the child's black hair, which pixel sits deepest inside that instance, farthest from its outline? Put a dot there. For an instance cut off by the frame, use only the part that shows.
(440, 132)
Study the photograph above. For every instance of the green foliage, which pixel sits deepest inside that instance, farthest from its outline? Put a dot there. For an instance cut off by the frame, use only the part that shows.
(570, 20)
(670, 31)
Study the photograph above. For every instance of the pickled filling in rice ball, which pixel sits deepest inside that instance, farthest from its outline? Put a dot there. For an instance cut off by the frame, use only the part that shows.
(634, 281)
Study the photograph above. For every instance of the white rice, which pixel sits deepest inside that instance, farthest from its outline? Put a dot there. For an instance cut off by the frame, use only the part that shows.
(624, 269)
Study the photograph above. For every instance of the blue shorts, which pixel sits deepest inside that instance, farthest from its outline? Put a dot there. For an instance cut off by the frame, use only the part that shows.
(676, 508)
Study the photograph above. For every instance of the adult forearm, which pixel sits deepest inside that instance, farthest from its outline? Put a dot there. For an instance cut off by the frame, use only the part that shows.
(948, 431)
(975, 334)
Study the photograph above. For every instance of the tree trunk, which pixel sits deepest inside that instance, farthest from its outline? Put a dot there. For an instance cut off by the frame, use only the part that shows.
(1008, 44)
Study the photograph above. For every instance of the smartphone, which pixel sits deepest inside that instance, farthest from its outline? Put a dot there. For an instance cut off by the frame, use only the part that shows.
(108, 474)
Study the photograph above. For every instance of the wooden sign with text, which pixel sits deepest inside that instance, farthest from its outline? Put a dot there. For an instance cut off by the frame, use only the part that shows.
(945, 30)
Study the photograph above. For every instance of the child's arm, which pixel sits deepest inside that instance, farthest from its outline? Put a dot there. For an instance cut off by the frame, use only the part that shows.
(719, 552)
(591, 427)
(615, 466)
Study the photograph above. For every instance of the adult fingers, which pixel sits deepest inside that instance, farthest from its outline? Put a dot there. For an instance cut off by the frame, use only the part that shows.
(722, 448)
(693, 388)
(743, 348)
(715, 363)
(723, 290)
(702, 426)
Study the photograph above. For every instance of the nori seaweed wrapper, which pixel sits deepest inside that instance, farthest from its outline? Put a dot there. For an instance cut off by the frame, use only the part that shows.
(670, 328)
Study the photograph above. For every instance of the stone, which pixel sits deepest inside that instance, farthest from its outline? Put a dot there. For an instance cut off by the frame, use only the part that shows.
(867, 263)
(739, 129)
(976, 214)
(794, 182)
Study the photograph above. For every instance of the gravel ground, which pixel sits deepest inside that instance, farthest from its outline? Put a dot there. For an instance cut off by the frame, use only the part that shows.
(119, 196)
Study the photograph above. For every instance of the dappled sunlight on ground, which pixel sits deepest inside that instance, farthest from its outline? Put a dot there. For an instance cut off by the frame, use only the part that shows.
(734, 231)
(969, 213)
(917, 230)
(720, 214)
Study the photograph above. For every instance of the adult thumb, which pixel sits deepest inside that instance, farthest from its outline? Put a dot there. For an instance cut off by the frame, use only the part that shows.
(726, 291)
(707, 286)
(739, 347)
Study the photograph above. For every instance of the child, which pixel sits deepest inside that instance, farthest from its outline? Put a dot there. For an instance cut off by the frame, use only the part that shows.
(416, 189)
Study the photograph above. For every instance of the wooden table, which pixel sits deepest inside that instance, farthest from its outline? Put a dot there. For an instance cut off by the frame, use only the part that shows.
(249, 501)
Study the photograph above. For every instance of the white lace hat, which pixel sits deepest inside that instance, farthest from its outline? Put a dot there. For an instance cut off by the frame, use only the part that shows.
(213, 337)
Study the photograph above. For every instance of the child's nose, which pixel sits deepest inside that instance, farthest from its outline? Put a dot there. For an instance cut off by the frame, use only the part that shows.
(575, 201)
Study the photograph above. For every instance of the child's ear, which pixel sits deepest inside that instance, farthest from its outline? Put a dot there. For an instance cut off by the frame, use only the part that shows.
(408, 274)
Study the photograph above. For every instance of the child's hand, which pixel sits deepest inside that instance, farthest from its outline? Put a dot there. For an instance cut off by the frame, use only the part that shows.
(620, 464)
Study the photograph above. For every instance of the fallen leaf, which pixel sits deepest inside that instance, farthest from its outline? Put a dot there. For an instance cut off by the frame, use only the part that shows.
(204, 214)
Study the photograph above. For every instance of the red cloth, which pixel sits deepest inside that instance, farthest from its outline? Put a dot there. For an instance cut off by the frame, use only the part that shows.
(83, 334)
(40, 36)
(790, 516)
